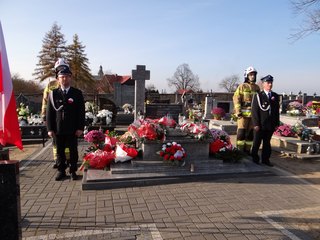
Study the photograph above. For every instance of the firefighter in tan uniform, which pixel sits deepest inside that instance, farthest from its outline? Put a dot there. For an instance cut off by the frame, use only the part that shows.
(242, 99)
(52, 85)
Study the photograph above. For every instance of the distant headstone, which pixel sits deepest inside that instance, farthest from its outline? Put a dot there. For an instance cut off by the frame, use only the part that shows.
(140, 75)
(208, 107)
(304, 99)
(158, 110)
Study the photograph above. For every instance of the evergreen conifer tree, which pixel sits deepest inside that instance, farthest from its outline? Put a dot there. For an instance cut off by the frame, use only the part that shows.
(53, 47)
(78, 62)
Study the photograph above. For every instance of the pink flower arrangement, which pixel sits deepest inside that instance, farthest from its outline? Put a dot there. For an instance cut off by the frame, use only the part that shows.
(295, 105)
(218, 112)
(284, 130)
(95, 137)
(309, 104)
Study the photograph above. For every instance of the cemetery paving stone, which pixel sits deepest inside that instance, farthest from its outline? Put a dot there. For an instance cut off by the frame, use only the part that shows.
(262, 207)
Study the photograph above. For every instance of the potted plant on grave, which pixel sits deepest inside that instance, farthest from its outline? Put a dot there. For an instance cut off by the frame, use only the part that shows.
(218, 113)
(23, 114)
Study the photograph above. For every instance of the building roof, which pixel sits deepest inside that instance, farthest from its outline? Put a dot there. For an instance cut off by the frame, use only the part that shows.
(106, 83)
(114, 78)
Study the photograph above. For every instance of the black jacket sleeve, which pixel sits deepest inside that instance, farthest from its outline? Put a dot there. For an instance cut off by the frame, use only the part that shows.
(255, 113)
(81, 112)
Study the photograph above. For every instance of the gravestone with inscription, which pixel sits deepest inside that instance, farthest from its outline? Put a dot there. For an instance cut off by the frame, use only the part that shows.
(208, 107)
(140, 75)
(158, 110)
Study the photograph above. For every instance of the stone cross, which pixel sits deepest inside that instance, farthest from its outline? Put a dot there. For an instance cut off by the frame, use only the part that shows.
(208, 107)
(140, 75)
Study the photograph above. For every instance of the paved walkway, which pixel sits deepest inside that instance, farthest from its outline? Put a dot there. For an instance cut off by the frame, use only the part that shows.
(273, 207)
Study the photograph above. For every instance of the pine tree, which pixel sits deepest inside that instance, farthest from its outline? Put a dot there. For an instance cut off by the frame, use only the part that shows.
(78, 62)
(53, 47)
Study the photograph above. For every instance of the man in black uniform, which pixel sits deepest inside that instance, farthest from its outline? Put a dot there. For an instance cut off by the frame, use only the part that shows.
(265, 118)
(65, 120)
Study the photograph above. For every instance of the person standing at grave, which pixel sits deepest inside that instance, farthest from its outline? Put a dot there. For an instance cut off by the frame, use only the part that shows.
(65, 117)
(242, 99)
(53, 85)
(265, 119)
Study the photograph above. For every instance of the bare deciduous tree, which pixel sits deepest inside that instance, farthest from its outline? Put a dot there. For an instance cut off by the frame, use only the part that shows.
(230, 84)
(183, 78)
(151, 88)
(311, 24)
(22, 86)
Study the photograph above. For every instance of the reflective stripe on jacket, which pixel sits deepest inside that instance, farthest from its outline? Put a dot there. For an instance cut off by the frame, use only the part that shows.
(242, 98)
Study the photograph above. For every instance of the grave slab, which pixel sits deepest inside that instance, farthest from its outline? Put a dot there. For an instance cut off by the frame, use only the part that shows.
(227, 126)
(154, 172)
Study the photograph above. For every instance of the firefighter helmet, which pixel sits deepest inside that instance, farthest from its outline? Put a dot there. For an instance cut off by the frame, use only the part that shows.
(249, 70)
(246, 73)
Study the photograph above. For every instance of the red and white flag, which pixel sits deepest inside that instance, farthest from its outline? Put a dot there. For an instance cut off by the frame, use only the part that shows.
(9, 127)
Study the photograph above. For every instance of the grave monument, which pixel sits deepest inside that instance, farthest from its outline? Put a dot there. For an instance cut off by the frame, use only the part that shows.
(140, 75)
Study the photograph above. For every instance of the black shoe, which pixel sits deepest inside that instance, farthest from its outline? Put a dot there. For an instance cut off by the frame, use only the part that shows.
(74, 176)
(268, 164)
(55, 166)
(60, 176)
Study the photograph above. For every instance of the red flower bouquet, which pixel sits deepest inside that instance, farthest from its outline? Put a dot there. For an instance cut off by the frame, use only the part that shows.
(167, 122)
(98, 159)
(222, 148)
(125, 153)
(173, 153)
(146, 129)
(195, 130)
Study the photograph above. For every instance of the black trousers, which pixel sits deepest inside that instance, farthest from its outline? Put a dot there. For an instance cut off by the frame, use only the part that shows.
(70, 141)
(258, 137)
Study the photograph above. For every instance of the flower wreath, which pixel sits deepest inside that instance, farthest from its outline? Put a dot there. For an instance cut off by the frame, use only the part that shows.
(172, 152)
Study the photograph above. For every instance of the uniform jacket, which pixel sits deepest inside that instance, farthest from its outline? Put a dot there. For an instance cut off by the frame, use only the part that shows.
(51, 85)
(68, 113)
(242, 98)
(266, 119)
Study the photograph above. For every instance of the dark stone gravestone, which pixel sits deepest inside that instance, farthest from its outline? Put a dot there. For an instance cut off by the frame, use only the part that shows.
(160, 110)
(109, 105)
(34, 132)
(224, 105)
(10, 217)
